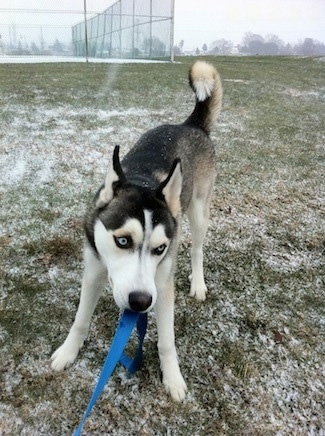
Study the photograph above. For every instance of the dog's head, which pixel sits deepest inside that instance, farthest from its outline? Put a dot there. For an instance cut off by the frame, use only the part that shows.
(135, 234)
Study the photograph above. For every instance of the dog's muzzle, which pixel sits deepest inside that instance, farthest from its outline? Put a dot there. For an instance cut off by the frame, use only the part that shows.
(139, 301)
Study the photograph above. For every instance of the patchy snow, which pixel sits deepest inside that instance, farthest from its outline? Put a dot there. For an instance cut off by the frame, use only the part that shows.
(298, 93)
(280, 261)
(11, 175)
(15, 168)
(261, 273)
(246, 82)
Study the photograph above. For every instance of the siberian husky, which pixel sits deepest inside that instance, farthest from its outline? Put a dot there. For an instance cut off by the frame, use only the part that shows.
(133, 225)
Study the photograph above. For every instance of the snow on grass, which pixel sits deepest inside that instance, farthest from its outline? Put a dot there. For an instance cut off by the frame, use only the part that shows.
(292, 92)
(253, 353)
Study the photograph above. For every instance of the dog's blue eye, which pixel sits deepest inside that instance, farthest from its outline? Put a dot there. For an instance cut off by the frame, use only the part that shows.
(159, 250)
(123, 241)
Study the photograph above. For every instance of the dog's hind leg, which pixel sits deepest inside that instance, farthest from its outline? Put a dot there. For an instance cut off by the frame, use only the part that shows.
(164, 310)
(198, 215)
(93, 282)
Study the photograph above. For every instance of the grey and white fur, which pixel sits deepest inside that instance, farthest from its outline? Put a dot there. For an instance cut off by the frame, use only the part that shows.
(132, 227)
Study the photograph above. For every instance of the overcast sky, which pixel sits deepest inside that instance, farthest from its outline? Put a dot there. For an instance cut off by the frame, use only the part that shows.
(197, 21)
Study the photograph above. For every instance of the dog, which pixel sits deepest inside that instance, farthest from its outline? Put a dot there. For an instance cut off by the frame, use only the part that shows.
(132, 227)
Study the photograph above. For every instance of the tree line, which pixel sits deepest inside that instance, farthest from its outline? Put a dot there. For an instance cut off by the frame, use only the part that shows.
(255, 44)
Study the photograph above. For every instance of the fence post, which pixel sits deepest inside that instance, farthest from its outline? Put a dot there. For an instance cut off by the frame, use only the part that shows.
(86, 35)
(172, 21)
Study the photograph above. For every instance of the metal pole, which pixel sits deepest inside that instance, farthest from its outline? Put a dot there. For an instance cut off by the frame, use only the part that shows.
(150, 37)
(133, 29)
(86, 36)
(172, 23)
(120, 28)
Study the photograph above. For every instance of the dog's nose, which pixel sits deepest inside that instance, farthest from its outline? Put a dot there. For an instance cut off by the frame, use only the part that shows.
(139, 301)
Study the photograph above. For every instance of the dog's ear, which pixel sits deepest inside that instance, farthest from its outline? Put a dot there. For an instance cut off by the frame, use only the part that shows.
(114, 178)
(171, 188)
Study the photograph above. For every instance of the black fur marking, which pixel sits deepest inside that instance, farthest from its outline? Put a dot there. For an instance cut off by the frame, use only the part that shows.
(117, 165)
(130, 202)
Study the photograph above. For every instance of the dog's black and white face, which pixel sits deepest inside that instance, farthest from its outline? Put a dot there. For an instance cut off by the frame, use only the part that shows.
(134, 229)
(132, 241)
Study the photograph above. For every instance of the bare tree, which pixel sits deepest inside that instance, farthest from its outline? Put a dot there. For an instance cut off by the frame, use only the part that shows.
(221, 46)
(274, 39)
(310, 47)
(250, 37)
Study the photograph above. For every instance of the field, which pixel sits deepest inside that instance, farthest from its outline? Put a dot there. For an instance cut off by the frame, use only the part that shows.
(253, 354)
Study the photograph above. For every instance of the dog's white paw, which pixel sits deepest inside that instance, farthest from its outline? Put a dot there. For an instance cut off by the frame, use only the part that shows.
(198, 288)
(63, 357)
(176, 387)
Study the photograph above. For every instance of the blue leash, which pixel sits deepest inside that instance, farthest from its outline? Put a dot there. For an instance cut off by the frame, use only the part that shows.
(116, 354)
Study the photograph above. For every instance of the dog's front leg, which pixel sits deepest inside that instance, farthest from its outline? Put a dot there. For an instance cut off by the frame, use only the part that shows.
(93, 282)
(164, 309)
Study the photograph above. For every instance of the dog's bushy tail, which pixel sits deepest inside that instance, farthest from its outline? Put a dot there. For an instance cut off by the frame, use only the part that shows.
(206, 84)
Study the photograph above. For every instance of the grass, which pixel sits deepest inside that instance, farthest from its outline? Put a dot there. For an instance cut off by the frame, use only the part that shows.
(253, 353)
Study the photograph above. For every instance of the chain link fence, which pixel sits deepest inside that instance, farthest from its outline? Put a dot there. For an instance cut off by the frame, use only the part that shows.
(131, 29)
(37, 32)
(128, 29)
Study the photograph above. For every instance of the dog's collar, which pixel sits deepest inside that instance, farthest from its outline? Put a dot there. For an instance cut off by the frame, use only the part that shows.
(116, 354)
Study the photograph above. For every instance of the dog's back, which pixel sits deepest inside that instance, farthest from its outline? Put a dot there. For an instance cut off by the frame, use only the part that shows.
(151, 158)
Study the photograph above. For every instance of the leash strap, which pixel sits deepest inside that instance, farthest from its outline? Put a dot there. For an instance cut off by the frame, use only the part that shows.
(123, 332)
